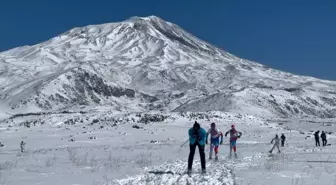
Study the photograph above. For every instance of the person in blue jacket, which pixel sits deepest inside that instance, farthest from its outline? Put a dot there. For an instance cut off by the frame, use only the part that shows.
(197, 137)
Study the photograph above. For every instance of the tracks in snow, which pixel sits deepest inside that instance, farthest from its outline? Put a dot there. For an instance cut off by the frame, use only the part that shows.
(175, 174)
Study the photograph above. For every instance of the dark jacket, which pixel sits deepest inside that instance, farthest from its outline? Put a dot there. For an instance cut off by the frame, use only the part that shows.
(317, 135)
(283, 137)
(323, 135)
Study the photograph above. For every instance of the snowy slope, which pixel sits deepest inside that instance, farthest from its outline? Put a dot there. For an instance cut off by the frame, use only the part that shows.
(146, 63)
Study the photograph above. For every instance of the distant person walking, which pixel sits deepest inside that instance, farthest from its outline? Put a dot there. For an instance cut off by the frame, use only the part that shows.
(317, 138)
(283, 139)
(197, 137)
(276, 141)
(234, 135)
(22, 146)
(324, 138)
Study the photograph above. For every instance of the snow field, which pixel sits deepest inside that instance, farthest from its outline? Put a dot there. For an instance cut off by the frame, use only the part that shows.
(62, 153)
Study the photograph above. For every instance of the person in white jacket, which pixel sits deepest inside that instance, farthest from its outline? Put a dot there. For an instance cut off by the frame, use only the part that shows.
(215, 134)
(276, 141)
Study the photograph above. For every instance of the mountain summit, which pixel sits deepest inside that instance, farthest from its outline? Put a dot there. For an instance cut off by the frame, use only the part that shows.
(146, 63)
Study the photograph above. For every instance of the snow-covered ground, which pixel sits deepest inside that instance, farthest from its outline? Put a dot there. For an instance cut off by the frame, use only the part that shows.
(130, 149)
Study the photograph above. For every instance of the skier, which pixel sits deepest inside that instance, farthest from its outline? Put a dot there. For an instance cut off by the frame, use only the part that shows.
(276, 143)
(197, 137)
(22, 145)
(324, 138)
(234, 135)
(283, 139)
(317, 138)
(214, 140)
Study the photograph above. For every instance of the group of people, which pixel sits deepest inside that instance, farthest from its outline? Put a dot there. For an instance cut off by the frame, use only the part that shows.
(276, 141)
(323, 137)
(198, 137)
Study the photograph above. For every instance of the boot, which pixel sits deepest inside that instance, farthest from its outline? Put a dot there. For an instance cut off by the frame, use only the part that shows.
(236, 155)
(216, 157)
(203, 171)
(189, 171)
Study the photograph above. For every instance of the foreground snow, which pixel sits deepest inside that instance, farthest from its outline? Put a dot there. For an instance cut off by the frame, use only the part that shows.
(174, 173)
(120, 153)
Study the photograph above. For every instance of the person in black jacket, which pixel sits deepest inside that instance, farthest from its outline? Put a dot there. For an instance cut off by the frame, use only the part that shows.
(317, 138)
(283, 139)
(324, 138)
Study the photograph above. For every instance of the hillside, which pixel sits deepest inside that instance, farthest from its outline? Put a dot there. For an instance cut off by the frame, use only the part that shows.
(145, 64)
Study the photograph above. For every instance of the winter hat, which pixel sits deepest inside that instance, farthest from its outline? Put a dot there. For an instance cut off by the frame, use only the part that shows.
(196, 126)
(213, 124)
(232, 126)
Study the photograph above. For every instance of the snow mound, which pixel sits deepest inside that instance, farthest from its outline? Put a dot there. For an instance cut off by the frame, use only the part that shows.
(175, 174)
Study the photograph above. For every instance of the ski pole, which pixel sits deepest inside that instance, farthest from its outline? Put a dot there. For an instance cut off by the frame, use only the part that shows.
(184, 143)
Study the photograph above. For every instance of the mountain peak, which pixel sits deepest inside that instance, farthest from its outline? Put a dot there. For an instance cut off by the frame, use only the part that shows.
(148, 18)
(146, 63)
(143, 32)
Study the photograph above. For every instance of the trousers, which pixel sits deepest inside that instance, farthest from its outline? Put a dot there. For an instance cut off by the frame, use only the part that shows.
(192, 154)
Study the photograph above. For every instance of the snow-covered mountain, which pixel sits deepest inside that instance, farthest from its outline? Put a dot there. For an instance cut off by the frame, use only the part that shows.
(146, 63)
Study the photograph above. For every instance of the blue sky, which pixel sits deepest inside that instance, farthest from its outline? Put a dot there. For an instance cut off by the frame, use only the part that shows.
(294, 36)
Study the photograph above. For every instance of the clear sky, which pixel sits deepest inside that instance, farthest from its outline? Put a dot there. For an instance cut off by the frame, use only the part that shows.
(295, 36)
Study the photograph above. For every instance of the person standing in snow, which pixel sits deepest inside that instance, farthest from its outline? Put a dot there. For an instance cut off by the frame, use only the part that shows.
(276, 143)
(317, 138)
(283, 139)
(197, 137)
(214, 140)
(324, 138)
(234, 135)
(22, 146)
